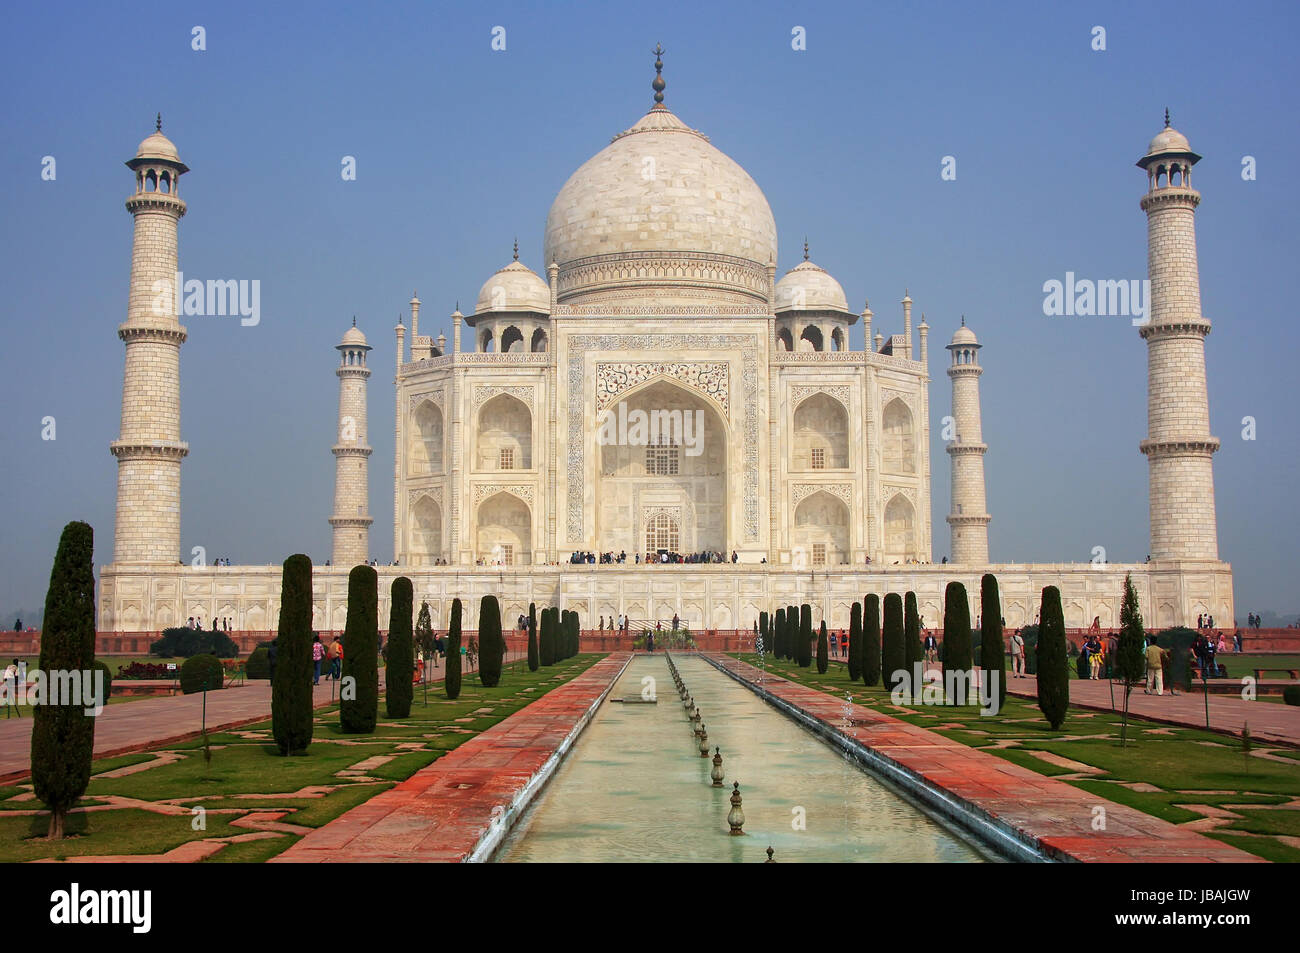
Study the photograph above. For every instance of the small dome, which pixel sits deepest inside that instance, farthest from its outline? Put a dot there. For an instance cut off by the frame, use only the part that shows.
(807, 287)
(514, 288)
(354, 338)
(1169, 140)
(964, 336)
(157, 146)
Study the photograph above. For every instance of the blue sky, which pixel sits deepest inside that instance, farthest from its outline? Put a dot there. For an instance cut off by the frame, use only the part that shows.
(459, 148)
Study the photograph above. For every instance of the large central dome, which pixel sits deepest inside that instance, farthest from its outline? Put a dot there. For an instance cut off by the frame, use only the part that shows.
(661, 216)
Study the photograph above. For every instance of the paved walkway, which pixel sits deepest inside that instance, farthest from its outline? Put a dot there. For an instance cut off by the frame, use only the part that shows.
(1270, 722)
(150, 722)
(1056, 816)
(442, 812)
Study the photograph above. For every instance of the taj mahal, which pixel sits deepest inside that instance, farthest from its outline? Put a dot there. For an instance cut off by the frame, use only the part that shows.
(806, 467)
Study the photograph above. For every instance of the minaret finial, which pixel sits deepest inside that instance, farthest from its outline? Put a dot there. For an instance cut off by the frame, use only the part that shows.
(659, 84)
(1166, 117)
(158, 123)
(516, 248)
(963, 320)
(805, 248)
(354, 320)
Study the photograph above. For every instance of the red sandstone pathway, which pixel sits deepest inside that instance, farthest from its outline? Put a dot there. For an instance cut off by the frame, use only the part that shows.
(1054, 814)
(150, 722)
(1269, 721)
(442, 812)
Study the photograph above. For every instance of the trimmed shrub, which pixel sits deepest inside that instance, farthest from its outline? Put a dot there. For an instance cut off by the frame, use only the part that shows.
(399, 674)
(1179, 641)
(202, 673)
(1053, 660)
(855, 642)
(823, 650)
(451, 681)
(534, 656)
(1291, 694)
(792, 633)
(107, 682)
(915, 652)
(993, 655)
(574, 634)
(491, 644)
(258, 664)
(63, 736)
(803, 651)
(893, 654)
(182, 642)
(778, 634)
(546, 639)
(359, 714)
(871, 640)
(956, 635)
(291, 700)
(763, 631)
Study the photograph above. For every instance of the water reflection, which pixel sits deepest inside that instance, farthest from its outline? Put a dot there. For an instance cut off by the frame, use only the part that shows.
(635, 788)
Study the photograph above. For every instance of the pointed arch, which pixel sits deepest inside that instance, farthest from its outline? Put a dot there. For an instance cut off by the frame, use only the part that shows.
(900, 529)
(898, 438)
(503, 434)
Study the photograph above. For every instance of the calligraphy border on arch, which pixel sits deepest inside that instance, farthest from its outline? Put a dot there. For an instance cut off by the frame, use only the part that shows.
(578, 346)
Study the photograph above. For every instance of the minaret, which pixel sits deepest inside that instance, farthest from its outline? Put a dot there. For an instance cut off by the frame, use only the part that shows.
(400, 331)
(351, 519)
(149, 449)
(907, 325)
(1179, 448)
(969, 519)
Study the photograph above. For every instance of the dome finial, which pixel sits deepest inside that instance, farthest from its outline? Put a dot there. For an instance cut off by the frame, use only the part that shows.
(805, 248)
(659, 84)
(354, 320)
(1166, 117)
(516, 248)
(158, 123)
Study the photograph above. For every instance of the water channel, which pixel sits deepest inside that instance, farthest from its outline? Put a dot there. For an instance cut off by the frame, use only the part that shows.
(634, 788)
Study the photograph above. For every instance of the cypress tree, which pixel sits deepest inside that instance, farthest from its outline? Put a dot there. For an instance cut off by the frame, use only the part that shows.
(893, 654)
(491, 643)
(291, 702)
(855, 642)
(912, 638)
(575, 634)
(359, 713)
(534, 658)
(1053, 660)
(956, 635)
(778, 634)
(762, 628)
(1129, 662)
(792, 633)
(400, 671)
(63, 735)
(546, 639)
(804, 648)
(993, 656)
(424, 638)
(823, 650)
(451, 680)
(871, 640)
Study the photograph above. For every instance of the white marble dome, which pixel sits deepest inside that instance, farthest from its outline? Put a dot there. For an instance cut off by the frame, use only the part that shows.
(157, 146)
(1169, 140)
(515, 287)
(808, 287)
(353, 337)
(660, 208)
(963, 336)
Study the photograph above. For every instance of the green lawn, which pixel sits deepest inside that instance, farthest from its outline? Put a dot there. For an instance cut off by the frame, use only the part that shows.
(1186, 765)
(246, 772)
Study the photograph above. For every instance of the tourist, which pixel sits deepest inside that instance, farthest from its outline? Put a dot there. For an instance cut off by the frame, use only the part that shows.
(1094, 656)
(931, 645)
(18, 625)
(601, 630)
(835, 644)
(1017, 655)
(317, 655)
(844, 644)
(335, 658)
(676, 622)
(1155, 672)
(1236, 641)
(11, 689)
(1221, 646)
